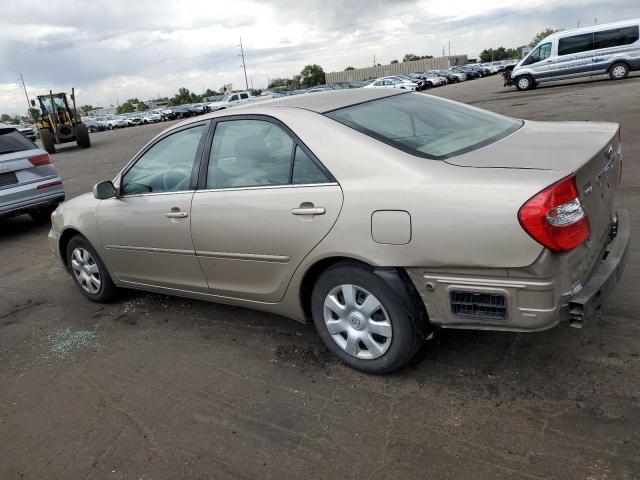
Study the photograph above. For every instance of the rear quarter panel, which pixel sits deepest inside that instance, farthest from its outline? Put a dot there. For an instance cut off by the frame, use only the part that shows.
(459, 216)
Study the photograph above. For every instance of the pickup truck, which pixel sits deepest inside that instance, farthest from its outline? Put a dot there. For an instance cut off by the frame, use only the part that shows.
(234, 99)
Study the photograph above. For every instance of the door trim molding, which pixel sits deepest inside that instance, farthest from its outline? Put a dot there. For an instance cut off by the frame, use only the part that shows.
(170, 251)
(254, 257)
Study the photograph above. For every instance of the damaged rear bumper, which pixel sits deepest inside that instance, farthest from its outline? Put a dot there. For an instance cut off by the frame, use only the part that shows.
(584, 304)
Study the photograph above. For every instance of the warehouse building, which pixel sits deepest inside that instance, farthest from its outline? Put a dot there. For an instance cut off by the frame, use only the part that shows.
(361, 74)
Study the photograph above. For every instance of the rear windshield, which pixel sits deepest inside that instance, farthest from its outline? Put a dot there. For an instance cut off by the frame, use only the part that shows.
(426, 126)
(13, 141)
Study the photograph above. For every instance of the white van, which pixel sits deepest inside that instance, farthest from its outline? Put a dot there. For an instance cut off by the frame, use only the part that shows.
(612, 48)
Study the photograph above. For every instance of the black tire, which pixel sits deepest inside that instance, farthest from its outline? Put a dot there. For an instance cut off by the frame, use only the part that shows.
(524, 82)
(43, 214)
(82, 136)
(47, 140)
(618, 71)
(404, 339)
(107, 291)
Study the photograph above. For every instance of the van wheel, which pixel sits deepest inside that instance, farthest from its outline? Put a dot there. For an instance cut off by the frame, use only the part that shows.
(361, 320)
(619, 71)
(525, 82)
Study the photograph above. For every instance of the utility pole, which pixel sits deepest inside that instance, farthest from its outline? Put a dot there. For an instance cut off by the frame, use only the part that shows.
(443, 50)
(578, 23)
(244, 67)
(595, 21)
(374, 59)
(449, 47)
(25, 92)
(251, 79)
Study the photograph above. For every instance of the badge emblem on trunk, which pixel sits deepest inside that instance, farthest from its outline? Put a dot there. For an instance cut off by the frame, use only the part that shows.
(587, 189)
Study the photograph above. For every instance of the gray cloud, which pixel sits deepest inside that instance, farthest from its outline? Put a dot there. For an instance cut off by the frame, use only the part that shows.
(161, 44)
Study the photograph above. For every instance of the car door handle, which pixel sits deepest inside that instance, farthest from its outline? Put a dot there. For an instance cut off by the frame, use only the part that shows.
(176, 214)
(308, 211)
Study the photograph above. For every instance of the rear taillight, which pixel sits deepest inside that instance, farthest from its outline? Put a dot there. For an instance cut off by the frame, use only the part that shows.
(555, 217)
(40, 160)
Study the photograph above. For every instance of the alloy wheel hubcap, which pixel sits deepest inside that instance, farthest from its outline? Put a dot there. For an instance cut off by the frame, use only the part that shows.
(86, 270)
(357, 322)
(523, 82)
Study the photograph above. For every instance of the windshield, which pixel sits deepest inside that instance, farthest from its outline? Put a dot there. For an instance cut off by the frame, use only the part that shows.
(426, 126)
(58, 102)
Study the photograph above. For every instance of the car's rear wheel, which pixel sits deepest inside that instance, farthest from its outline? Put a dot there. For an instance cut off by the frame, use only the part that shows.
(361, 320)
(524, 82)
(619, 71)
(88, 271)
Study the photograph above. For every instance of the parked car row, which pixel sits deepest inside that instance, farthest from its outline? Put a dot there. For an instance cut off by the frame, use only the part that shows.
(420, 80)
(111, 122)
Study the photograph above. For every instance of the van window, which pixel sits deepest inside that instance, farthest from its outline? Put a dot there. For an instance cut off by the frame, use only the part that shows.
(541, 53)
(615, 37)
(629, 35)
(244, 96)
(575, 44)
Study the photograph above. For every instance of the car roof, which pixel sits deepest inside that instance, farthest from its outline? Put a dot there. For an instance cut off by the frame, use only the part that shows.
(323, 102)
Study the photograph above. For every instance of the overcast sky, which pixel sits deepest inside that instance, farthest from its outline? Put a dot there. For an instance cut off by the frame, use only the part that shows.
(113, 50)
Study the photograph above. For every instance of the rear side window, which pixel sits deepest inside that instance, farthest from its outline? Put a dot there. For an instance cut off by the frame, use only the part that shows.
(426, 126)
(249, 153)
(575, 44)
(305, 171)
(13, 141)
(616, 37)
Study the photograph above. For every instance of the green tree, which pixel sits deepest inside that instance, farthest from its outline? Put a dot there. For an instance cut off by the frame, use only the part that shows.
(141, 107)
(256, 92)
(541, 36)
(86, 108)
(34, 114)
(411, 57)
(183, 96)
(312, 75)
(394, 61)
(500, 53)
(349, 68)
(6, 118)
(280, 82)
(126, 107)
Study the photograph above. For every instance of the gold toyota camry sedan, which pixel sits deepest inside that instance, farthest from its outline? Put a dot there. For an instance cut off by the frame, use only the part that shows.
(380, 216)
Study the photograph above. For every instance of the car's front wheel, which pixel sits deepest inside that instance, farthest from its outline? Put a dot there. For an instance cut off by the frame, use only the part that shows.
(88, 271)
(361, 320)
(524, 82)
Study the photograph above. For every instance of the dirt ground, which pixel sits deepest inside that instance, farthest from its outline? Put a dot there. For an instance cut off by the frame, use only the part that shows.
(154, 387)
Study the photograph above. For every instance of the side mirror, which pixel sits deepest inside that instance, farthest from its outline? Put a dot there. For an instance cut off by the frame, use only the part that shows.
(33, 103)
(104, 190)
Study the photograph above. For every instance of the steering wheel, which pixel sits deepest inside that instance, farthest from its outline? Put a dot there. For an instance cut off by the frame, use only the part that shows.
(176, 178)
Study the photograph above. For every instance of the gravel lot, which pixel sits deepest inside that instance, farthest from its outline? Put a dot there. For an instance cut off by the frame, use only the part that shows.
(157, 387)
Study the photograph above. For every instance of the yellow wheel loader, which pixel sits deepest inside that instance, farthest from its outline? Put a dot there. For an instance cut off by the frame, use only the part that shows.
(59, 123)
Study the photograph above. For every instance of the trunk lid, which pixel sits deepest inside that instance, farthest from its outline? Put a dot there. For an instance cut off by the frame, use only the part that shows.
(590, 150)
